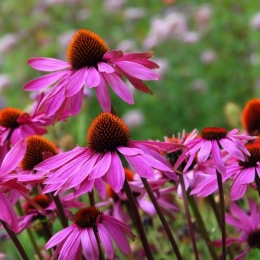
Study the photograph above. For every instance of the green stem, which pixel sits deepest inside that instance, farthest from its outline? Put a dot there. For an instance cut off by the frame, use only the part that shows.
(202, 229)
(30, 234)
(257, 182)
(61, 212)
(15, 241)
(214, 206)
(188, 216)
(138, 220)
(162, 218)
(91, 198)
(222, 215)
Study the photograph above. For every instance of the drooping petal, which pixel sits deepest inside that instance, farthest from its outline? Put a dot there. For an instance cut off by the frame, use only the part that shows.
(115, 175)
(106, 241)
(216, 155)
(13, 157)
(229, 146)
(104, 67)
(129, 151)
(44, 81)
(92, 78)
(204, 151)
(87, 245)
(119, 237)
(138, 84)
(137, 70)
(93, 242)
(113, 55)
(76, 102)
(103, 95)
(59, 237)
(48, 64)
(76, 82)
(101, 167)
(119, 87)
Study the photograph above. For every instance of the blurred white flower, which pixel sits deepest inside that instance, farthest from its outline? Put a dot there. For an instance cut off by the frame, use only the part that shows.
(134, 13)
(65, 38)
(127, 45)
(83, 15)
(208, 56)
(255, 21)
(190, 37)
(114, 5)
(5, 81)
(7, 42)
(172, 26)
(133, 118)
(203, 16)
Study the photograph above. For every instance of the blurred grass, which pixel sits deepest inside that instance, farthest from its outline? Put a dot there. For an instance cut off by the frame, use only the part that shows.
(191, 94)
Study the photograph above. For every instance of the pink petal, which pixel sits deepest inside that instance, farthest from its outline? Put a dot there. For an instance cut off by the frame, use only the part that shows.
(129, 151)
(113, 54)
(104, 67)
(133, 56)
(138, 84)
(13, 157)
(140, 166)
(118, 235)
(115, 175)
(204, 151)
(101, 167)
(88, 247)
(76, 102)
(237, 191)
(229, 146)
(119, 87)
(60, 159)
(76, 82)
(216, 155)
(48, 64)
(103, 95)
(137, 70)
(7, 213)
(44, 81)
(93, 242)
(92, 78)
(106, 241)
(59, 237)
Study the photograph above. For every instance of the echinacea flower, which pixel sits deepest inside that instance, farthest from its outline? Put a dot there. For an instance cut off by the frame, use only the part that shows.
(211, 141)
(108, 138)
(35, 149)
(251, 117)
(91, 63)
(244, 172)
(247, 224)
(81, 235)
(49, 209)
(16, 124)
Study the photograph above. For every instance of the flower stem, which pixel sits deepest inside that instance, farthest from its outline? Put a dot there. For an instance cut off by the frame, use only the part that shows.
(61, 212)
(188, 216)
(257, 182)
(214, 206)
(30, 234)
(138, 220)
(91, 198)
(15, 241)
(222, 215)
(202, 229)
(162, 218)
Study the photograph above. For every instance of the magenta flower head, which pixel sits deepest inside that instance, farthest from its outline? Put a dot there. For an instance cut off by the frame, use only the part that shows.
(108, 138)
(91, 63)
(244, 172)
(211, 141)
(16, 124)
(247, 224)
(81, 235)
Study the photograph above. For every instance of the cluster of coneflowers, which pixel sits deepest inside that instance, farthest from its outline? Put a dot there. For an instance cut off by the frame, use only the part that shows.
(40, 183)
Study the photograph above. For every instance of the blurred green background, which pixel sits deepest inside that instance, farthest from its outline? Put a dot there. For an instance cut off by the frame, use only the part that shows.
(209, 52)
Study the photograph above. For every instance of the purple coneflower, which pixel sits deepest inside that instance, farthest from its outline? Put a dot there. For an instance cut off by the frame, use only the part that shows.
(81, 235)
(212, 140)
(108, 138)
(244, 172)
(91, 63)
(247, 224)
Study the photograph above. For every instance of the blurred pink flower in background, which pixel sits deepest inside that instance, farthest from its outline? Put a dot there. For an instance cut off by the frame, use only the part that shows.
(208, 56)
(255, 21)
(133, 118)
